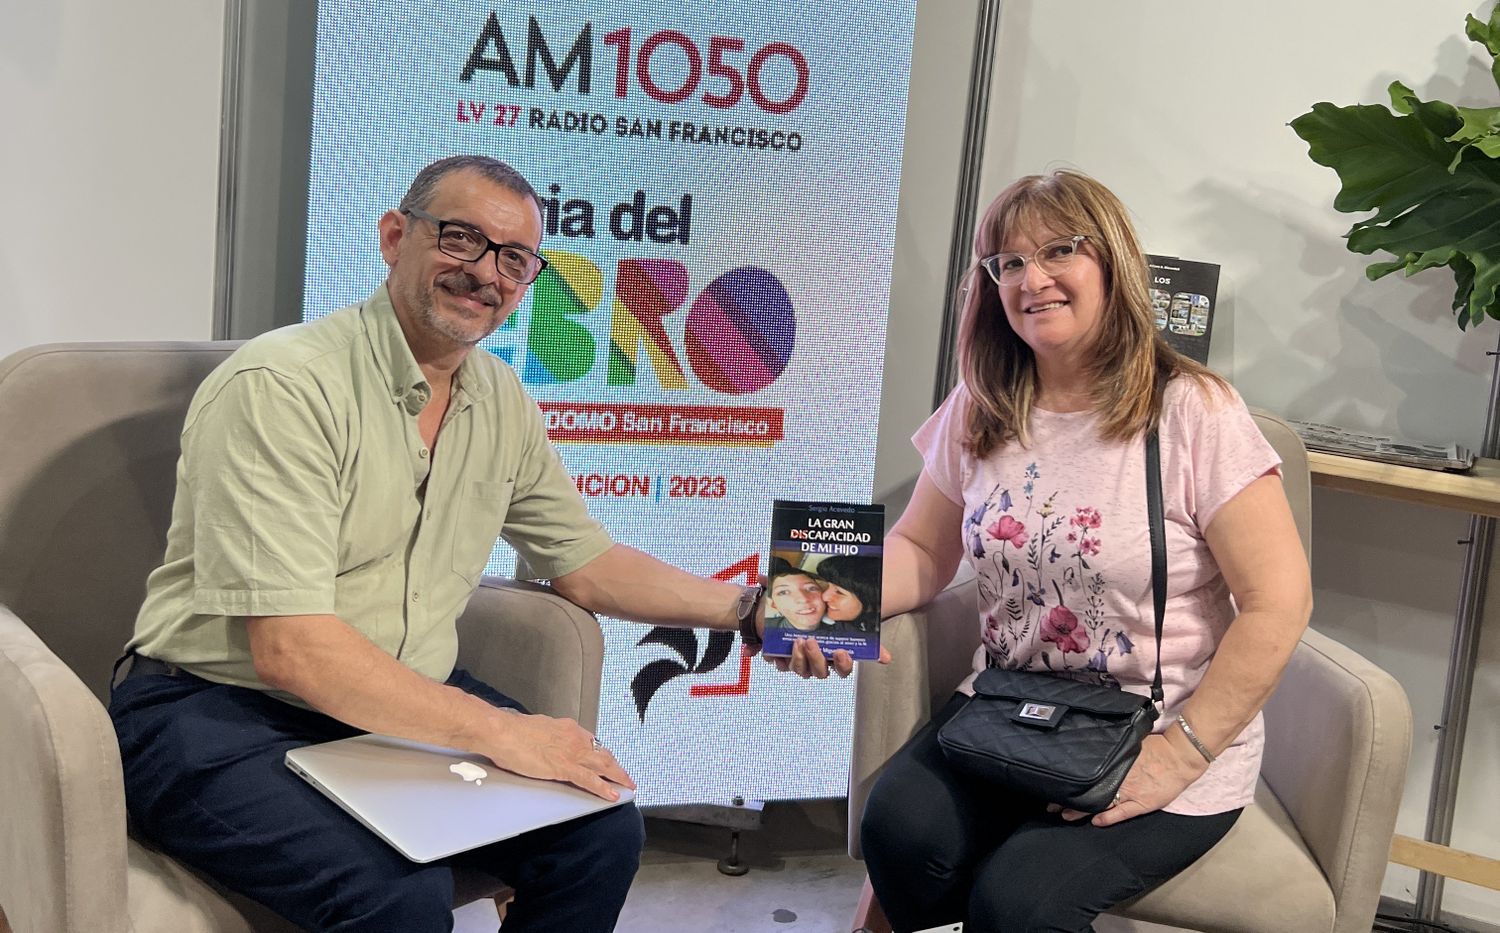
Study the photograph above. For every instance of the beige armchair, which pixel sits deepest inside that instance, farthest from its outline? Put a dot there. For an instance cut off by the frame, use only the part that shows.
(89, 434)
(1309, 856)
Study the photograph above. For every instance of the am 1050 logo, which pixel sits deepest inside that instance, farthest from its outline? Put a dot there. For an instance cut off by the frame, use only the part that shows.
(668, 66)
(737, 336)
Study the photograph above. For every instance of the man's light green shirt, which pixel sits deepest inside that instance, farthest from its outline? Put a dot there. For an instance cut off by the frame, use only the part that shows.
(304, 488)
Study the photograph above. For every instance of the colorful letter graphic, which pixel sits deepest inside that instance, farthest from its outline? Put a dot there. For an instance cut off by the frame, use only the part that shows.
(740, 331)
(562, 350)
(646, 290)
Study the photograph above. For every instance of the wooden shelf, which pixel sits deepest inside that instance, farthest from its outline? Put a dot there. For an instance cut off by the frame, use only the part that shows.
(1477, 491)
(1450, 863)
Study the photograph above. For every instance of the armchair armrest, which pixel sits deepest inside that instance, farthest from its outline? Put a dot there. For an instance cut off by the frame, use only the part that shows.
(531, 644)
(1341, 786)
(932, 650)
(62, 826)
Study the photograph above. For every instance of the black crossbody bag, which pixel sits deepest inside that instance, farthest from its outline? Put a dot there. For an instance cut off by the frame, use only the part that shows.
(1057, 739)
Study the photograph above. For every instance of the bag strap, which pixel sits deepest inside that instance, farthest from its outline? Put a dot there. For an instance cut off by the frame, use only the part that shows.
(1158, 549)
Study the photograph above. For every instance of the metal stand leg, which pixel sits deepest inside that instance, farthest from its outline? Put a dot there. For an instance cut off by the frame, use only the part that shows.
(1443, 797)
(739, 815)
(731, 864)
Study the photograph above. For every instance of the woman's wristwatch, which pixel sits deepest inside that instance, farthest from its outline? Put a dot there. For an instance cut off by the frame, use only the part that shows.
(749, 601)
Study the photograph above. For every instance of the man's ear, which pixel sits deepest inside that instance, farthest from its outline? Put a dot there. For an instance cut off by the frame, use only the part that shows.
(392, 228)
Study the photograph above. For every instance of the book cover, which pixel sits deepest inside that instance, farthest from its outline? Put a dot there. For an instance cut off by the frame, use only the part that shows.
(824, 577)
(1183, 295)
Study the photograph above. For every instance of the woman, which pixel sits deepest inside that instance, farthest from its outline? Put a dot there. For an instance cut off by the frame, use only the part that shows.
(795, 596)
(852, 598)
(1034, 473)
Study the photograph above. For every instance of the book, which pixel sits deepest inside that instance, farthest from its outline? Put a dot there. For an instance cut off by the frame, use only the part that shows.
(1183, 294)
(1382, 448)
(824, 577)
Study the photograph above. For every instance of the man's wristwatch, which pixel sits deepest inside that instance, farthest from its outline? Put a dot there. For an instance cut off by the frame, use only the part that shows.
(745, 610)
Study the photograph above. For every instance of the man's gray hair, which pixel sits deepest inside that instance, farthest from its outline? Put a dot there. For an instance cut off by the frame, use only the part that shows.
(424, 187)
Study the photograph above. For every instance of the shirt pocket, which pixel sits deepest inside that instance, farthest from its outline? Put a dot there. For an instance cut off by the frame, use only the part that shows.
(481, 515)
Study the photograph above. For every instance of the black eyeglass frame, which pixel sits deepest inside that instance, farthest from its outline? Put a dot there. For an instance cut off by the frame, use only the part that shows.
(991, 266)
(490, 246)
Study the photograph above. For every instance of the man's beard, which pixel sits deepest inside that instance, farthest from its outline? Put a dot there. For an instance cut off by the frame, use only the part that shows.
(463, 285)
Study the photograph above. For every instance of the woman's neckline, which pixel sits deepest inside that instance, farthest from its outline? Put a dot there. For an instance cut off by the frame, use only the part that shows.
(1061, 414)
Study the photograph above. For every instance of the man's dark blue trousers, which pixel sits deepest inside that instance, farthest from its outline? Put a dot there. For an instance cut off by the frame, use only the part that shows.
(205, 783)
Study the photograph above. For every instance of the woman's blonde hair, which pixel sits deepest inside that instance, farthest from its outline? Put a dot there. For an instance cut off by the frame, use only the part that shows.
(1131, 363)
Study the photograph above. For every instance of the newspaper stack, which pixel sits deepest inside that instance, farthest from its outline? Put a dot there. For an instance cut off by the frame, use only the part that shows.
(1378, 447)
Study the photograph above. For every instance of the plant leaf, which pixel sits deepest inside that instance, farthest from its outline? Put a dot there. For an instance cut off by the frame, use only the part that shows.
(1488, 35)
(1463, 274)
(1490, 146)
(1478, 122)
(1401, 97)
(1470, 127)
(1481, 131)
(1376, 270)
(1440, 118)
(1449, 226)
(1386, 162)
(1429, 176)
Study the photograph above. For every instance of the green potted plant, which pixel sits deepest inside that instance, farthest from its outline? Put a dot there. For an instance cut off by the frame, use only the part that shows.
(1431, 172)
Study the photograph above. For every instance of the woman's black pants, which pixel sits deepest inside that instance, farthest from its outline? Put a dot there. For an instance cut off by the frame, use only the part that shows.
(942, 847)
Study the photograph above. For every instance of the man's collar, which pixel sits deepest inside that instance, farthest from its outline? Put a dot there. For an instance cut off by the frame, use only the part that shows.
(470, 383)
(408, 385)
(393, 355)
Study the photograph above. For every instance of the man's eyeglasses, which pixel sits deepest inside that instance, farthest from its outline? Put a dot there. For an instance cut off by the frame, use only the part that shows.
(462, 241)
(1053, 257)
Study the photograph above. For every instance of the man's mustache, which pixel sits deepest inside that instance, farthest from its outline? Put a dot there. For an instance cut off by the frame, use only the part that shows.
(463, 284)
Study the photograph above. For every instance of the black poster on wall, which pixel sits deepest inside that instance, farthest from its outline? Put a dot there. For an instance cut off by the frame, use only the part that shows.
(1183, 297)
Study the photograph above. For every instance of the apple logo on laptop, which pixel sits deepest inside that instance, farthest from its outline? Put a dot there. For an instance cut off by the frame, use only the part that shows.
(469, 772)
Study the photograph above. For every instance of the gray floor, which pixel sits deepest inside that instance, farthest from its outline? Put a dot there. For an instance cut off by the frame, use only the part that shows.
(801, 879)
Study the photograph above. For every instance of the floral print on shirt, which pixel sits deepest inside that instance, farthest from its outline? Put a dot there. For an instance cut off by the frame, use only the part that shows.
(1033, 561)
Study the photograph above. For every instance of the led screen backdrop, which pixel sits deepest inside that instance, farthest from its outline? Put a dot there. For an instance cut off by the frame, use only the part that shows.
(720, 188)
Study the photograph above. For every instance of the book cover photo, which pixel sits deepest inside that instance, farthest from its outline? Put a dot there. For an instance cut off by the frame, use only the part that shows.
(1183, 295)
(824, 577)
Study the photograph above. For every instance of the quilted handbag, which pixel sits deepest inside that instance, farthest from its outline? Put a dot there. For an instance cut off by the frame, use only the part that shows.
(1058, 739)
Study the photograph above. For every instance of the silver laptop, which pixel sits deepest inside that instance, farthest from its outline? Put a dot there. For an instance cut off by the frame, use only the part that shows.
(430, 802)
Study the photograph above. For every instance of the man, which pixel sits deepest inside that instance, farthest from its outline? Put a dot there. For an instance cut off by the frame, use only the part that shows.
(340, 488)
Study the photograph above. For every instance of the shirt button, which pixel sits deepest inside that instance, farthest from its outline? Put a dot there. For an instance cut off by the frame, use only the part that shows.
(424, 453)
(416, 596)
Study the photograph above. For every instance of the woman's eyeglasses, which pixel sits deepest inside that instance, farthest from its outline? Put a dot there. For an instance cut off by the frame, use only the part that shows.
(1053, 257)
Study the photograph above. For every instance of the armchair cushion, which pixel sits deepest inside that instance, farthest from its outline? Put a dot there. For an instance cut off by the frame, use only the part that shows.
(62, 827)
(1260, 877)
(533, 645)
(1342, 785)
(166, 896)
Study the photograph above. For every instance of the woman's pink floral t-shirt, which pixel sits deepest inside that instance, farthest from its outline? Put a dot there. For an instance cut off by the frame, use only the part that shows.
(1057, 535)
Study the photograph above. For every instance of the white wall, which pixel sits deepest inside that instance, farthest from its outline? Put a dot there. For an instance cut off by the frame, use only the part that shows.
(1181, 108)
(942, 56)
(110, 161)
